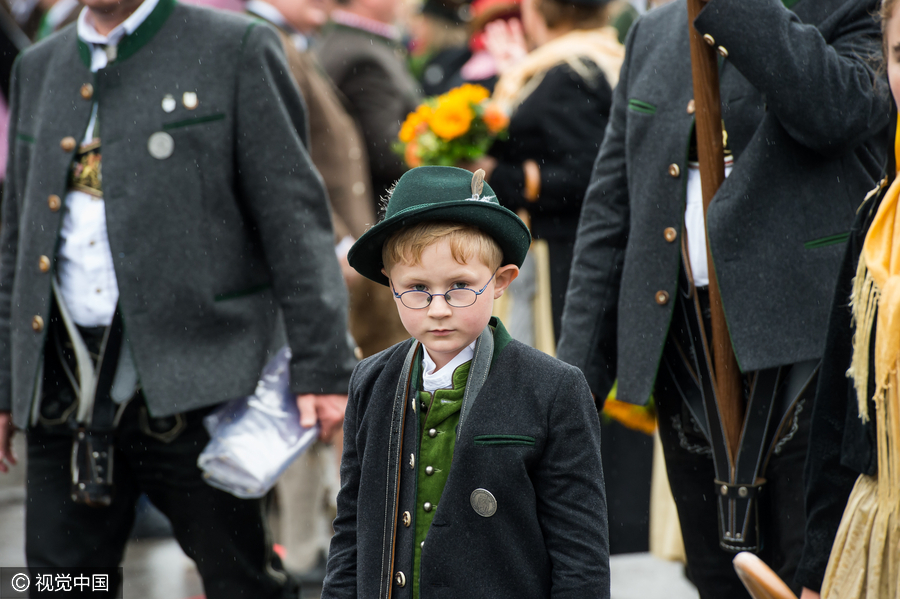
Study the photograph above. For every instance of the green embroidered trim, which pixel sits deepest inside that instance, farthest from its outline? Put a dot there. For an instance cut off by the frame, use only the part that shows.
(194, 121)
(222, 297)
(789, 3)
(23, 137)
(250, 27)
(641, 106)
(504, 440)
(826, 241)
(130, 44)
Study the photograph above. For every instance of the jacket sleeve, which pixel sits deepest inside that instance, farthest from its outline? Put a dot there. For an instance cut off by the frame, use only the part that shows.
(828, 481)
(340, 575)
(569, 116)
(9, 242)
(571, 495)
(824, 92)
(588, 337)
(286, 202)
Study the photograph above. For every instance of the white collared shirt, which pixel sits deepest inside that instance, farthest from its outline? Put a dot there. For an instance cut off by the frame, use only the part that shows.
(695, 223)
(433, 380)
(87, 276)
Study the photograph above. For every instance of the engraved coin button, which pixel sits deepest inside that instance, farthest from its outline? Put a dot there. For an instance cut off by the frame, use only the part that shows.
(161, 145)
(407, 519)
(483, 502)
(54, 202)
(37, 324)
(87, 91)
(67, 144)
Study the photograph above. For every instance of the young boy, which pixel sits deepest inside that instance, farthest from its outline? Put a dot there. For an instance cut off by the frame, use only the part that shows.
(471, 463)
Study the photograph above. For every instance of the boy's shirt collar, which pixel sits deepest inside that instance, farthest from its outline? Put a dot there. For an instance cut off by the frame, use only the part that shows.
(443, 378)
(97, 41)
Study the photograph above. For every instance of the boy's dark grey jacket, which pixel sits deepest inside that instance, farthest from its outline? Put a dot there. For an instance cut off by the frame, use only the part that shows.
(548, 537)
(209, 243)
(804, 109)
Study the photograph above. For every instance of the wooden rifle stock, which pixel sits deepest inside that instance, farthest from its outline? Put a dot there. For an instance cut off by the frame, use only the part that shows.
(711, 154)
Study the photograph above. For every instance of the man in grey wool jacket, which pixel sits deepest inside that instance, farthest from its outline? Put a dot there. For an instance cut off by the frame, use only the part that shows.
(135, 298)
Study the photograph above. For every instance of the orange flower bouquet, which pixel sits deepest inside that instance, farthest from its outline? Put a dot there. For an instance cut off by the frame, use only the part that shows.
(452, 128)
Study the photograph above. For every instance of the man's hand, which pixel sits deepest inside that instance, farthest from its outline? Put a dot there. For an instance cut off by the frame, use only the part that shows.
(6, 435)
(327, 410)
(807, 594)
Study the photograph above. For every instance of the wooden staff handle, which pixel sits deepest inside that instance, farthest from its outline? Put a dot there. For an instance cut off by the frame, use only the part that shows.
(711, 154)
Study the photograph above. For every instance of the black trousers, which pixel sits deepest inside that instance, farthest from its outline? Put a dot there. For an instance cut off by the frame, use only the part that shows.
(226, 537)
(689, 465)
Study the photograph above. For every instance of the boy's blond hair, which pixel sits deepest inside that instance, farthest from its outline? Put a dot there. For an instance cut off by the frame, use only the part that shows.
(466, 241)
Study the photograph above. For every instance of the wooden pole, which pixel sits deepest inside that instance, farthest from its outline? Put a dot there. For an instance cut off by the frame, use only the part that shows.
(711, 154)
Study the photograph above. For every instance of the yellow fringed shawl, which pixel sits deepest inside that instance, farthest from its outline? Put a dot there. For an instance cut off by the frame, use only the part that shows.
(865, 558)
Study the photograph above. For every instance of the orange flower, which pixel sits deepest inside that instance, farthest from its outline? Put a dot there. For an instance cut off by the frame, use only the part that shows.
(467, 92)
(411, 155)
(451, 119)
(415, 123)
(495, 119)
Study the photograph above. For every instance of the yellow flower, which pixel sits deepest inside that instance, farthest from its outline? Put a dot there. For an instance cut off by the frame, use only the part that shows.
(451, 118)
(473, 93)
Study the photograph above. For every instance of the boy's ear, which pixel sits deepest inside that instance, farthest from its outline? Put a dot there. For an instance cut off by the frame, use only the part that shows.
(385, 273)
(505, 275)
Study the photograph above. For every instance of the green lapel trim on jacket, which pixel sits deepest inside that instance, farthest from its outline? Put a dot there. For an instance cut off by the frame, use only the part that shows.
(143, 34)
(26, 138)
(501, 337)
(790, 3)
(826, 241)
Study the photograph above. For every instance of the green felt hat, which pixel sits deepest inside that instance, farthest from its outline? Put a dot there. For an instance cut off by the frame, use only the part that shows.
(441, 193)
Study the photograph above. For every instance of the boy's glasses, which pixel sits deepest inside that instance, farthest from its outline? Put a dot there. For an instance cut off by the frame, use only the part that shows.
(462, 297)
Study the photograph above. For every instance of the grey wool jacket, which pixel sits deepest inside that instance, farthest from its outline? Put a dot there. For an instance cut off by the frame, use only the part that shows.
(214, 246)
(530, 437)
(804, 111)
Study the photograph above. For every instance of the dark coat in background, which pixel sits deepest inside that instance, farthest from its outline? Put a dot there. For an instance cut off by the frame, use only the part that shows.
(371, 72)
(803, 109)
(212, 246)
(841, 445)
(548, 537)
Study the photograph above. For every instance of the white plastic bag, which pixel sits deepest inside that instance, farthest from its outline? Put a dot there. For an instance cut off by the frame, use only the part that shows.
(254, 439)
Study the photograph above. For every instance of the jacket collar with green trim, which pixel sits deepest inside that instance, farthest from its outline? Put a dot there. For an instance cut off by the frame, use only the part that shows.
(130, 44)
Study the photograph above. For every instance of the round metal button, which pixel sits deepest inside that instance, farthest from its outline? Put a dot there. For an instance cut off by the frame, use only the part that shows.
(407, 519)
(709, 39)
(432, 432)
(412, 460)
(691, 107)
(483, 502)
(67, 143)
(427, 507)
(722, 51)
(674, 170)
(400, 579)
(44, 263)
(87, 91)
(429, 470)
(743, 492)
(723, 489)
(54, 202)
(160, 145)
(670, 234)
(37, 324)
(662, 298)
(422, 544)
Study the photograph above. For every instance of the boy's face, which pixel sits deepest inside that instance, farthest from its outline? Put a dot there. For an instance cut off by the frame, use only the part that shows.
(443, 329)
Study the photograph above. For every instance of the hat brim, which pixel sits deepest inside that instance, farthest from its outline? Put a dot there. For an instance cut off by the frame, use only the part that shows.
(500, 223)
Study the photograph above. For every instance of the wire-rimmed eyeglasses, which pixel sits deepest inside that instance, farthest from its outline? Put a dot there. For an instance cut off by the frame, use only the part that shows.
(462, 297)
